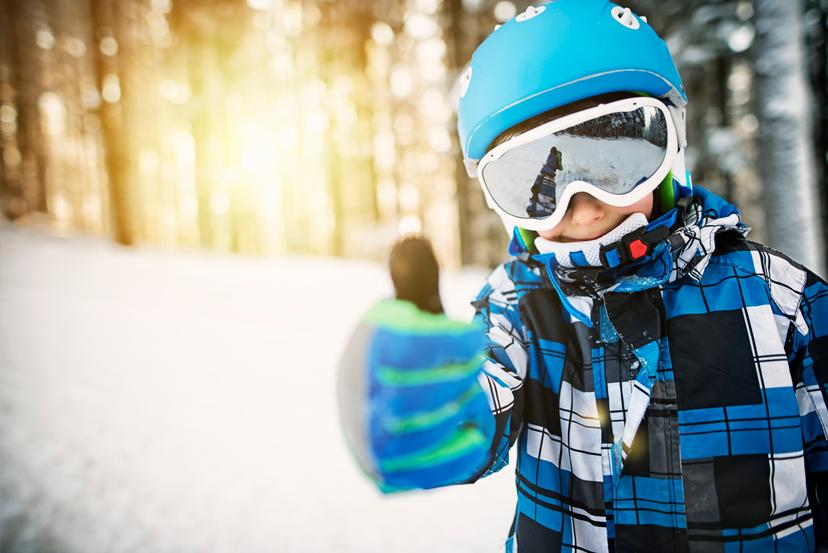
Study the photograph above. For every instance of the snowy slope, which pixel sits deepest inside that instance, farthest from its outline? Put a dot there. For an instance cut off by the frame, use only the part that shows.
(155, 402)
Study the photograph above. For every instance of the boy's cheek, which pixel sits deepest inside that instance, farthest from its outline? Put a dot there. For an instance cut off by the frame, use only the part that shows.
(550, 234)
(615, 214)
(645, 206)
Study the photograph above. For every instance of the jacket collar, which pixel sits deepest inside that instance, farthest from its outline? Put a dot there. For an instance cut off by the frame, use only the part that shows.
(685, 250)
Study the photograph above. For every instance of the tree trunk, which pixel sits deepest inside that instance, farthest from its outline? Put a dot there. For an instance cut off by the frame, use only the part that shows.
(26, 63)
(105, 22)
(784, 111)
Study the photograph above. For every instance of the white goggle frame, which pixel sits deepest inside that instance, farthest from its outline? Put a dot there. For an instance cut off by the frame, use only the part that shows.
(618, 200)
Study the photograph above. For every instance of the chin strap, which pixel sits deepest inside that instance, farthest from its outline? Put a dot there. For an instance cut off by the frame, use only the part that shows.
(638, 244)
(632, 247)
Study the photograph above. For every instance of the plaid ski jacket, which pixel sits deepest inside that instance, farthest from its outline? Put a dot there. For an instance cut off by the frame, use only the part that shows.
(680, 407)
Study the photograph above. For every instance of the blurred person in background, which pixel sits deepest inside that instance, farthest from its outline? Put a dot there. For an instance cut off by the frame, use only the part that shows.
(662, 377)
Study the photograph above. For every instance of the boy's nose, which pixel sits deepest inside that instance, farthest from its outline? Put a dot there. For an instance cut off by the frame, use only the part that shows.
(584, 209)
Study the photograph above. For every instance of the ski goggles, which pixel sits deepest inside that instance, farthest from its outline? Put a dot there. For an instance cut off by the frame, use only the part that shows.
(618, 152)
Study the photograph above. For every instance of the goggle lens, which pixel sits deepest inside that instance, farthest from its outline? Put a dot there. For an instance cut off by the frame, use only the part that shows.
(615, 152)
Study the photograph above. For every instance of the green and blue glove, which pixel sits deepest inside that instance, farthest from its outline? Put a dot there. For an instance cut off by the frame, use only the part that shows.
(411, 402)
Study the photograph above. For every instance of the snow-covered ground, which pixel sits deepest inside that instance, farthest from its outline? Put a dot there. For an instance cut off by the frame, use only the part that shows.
(155, 401)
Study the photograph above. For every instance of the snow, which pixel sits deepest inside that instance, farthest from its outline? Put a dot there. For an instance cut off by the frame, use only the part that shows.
(159, 401)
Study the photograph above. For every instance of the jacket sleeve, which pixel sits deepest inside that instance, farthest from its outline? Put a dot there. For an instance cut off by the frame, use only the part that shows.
(808, 358)
(505, 363)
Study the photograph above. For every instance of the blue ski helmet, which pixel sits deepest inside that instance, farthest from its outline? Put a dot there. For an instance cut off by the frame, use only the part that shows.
(556, 54)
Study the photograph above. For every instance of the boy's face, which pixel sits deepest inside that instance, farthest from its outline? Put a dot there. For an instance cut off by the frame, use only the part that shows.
(588, 218)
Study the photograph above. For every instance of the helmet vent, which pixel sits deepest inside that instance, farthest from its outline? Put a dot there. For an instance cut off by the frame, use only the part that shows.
(625, 17)
(529, 13)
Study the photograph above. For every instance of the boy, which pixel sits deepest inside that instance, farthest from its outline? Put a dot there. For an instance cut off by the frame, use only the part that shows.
(662, 377)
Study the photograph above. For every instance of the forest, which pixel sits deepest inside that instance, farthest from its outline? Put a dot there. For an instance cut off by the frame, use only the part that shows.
(272, 127)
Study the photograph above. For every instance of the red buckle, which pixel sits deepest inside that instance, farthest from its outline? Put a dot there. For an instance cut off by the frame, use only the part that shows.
(637, 249)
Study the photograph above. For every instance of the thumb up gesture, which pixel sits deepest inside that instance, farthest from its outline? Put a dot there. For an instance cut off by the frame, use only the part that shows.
(410, 399)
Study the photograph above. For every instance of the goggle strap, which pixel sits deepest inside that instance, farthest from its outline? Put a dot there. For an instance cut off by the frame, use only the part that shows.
(527, 239)
(666, 194)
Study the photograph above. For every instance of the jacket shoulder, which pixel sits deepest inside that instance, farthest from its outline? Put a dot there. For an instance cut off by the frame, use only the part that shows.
(778, 278)
(763, 260)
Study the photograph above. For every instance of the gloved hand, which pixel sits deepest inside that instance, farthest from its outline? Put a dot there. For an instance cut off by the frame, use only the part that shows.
(429, 420)
(410, 396)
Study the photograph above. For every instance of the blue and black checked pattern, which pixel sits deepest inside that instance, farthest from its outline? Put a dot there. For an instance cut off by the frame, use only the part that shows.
(689, 414)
